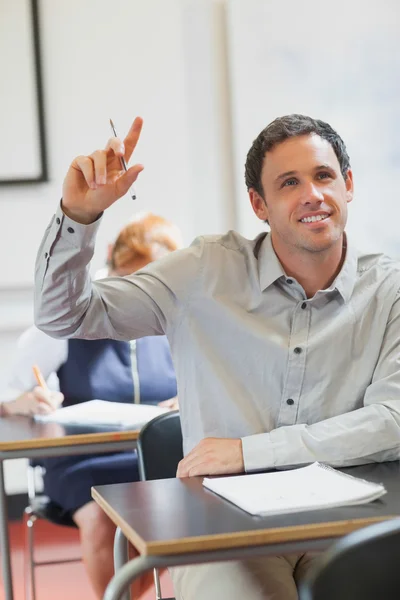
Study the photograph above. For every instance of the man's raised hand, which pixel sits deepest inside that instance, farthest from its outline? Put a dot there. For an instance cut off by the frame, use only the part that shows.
(95, 182)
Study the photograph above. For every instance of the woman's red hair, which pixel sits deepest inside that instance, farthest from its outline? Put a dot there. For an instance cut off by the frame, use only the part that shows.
(147, 237)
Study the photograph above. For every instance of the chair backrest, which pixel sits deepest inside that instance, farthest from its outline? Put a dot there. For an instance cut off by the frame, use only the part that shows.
(364, 565)
(160, 447)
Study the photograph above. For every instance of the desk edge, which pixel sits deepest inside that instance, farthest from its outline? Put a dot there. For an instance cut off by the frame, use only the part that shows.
(276, 535)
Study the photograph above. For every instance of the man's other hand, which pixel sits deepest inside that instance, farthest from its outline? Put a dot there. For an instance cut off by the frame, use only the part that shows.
(213, 456)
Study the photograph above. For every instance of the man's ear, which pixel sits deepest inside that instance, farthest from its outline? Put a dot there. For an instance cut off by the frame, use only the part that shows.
(349, 185)
(259, 205)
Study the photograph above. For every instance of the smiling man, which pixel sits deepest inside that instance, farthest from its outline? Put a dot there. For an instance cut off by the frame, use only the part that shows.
(302, 190)
(286, 347)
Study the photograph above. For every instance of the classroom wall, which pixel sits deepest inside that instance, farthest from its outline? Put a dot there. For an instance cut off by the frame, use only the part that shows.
(340, 64)
(163, 60)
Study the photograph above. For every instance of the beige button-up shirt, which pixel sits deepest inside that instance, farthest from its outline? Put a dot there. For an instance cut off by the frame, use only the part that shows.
(297, 379)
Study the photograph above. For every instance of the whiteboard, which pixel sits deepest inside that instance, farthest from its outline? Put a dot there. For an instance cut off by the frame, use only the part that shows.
(21, 145)
(336, 61)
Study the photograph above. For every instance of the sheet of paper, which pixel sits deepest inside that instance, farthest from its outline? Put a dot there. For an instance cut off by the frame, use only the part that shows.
(307, 488)
(101, 412)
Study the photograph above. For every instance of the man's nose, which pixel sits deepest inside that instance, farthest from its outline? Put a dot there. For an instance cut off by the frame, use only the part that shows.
(312, 194)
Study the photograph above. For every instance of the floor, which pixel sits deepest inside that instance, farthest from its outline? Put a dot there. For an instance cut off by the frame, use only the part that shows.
(57, 582)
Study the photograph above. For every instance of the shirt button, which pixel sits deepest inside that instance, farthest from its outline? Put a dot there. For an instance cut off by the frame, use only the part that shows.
(290, 401)
(304, 305)
(70, 230)
(297, 350)
(45, 254)
(289, 280)
(58, 221)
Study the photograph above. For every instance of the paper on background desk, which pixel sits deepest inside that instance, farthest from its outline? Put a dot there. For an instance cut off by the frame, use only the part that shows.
(101, 412)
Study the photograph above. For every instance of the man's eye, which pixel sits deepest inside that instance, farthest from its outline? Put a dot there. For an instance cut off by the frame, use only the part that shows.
(324, 175)
(291, 181)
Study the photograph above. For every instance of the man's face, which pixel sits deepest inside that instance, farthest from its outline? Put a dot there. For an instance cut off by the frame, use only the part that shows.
(305, 195)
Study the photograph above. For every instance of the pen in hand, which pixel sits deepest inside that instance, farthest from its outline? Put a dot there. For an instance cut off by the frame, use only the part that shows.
(122, 160)
(39, 378)
(41, 383)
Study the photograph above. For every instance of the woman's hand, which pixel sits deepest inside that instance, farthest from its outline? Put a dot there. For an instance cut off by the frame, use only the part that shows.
(95, 182)
(39, 401)
(172, 403)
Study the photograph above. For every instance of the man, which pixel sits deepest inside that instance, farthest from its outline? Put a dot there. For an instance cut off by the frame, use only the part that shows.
(286, 348)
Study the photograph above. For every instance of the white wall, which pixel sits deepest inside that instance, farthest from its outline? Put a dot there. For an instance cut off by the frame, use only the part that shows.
(339, 62)
(161, 59)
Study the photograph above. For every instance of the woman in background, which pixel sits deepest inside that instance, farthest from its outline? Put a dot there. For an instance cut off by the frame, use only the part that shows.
(139, 371)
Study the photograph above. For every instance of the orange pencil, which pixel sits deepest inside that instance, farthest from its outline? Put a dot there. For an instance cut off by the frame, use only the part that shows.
(39, 378)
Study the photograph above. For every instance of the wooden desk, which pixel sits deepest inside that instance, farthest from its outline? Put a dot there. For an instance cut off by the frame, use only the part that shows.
(175, 522)
(22, 437)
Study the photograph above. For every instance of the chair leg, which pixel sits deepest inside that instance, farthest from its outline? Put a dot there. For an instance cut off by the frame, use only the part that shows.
(29, 556)
(157, 584)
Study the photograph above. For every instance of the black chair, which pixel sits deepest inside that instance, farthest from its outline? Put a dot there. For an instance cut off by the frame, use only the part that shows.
(159, 450)
(159, 447)
(40, 507)
(364, 565)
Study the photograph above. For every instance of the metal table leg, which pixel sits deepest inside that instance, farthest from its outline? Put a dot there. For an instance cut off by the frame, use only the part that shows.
(4, 539)
(136, 567)
(121, 556)
(124, 577)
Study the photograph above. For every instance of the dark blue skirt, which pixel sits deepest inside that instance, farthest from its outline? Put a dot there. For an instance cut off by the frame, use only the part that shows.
(67, 480)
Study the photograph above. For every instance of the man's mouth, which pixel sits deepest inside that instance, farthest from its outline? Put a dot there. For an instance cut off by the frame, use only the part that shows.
(314, 218)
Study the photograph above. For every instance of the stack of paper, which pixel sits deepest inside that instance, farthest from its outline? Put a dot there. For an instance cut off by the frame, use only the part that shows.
(103, 413)
(308, 488)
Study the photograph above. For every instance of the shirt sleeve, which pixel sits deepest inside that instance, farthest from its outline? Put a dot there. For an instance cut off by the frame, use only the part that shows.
(368, 434)
(69, 304)
(34, 347)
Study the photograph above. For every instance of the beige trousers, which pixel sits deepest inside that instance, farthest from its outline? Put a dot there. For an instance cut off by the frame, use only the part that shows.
(268, 578)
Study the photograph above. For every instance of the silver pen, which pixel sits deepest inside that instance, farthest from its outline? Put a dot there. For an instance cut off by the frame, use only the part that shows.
(122, 161)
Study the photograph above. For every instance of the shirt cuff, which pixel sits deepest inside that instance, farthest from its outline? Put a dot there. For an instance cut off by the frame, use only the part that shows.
(75, 234)
(258, 452)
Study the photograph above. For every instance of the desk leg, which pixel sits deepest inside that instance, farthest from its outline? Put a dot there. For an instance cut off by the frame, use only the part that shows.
(136, 567)
(126, 574)
(121, 556)
(4, 539)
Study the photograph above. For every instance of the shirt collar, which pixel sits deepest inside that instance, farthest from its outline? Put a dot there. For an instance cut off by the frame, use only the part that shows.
(270, 269)
(345, 281)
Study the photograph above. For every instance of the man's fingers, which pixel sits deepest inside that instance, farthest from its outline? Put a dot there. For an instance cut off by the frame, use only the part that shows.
(192, 460)
(132, 138)
(124, 182)
(193, 468)
(99, 159)
(86, 166)
(116, 145)
(181, 470)
(201, 469)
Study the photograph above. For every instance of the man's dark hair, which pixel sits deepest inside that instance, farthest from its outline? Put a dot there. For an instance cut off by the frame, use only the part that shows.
(282, 129)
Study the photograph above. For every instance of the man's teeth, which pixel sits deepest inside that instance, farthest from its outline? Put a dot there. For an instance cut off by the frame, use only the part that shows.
(313, 219)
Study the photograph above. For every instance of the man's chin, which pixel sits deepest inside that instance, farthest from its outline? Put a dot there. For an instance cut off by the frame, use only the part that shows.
(320, 243)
